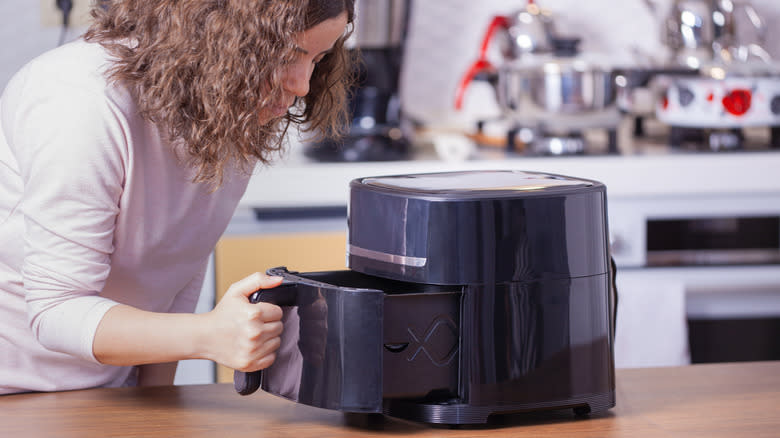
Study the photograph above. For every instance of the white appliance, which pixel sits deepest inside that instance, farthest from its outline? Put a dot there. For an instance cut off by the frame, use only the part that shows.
(717, 256)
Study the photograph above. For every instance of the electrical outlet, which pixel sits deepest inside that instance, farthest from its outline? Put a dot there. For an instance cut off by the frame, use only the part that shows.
(51, 16)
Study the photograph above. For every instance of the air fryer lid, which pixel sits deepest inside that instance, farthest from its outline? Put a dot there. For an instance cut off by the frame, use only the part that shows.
(477, 227)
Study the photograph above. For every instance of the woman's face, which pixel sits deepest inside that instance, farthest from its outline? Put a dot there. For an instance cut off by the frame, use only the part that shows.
(313, 44)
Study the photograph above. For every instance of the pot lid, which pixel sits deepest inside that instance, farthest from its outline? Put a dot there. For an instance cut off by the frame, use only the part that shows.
(550, 63)
(530, 30)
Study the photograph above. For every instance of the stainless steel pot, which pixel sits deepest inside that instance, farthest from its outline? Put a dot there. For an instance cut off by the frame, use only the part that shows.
(691, 25)
(698, 31)
(561, 83)
(545, 77)
(567, 87)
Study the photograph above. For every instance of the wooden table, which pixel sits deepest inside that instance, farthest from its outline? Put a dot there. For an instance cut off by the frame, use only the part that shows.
(714, 400)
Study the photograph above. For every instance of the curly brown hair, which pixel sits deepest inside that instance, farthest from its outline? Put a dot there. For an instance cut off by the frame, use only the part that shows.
(201, 69)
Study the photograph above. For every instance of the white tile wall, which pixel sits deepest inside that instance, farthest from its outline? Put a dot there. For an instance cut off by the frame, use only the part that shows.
(445, 36)
(443, 40)
(22, 37)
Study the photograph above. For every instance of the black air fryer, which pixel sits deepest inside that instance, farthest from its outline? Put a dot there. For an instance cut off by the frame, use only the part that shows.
(469, 294)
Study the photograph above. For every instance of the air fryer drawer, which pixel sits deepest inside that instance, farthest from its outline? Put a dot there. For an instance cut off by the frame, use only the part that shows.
(420, 332)
(351, 340)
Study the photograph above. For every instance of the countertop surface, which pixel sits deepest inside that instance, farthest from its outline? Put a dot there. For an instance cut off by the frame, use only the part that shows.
(296, 181)
(713, 400)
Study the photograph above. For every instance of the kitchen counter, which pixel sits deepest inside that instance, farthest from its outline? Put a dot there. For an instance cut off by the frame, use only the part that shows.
(715, 400)
(653, 172)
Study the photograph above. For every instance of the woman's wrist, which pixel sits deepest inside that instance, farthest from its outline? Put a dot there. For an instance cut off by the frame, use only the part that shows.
(200, 339)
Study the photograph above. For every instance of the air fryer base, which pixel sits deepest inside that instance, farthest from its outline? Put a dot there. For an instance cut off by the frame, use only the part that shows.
(454, 413)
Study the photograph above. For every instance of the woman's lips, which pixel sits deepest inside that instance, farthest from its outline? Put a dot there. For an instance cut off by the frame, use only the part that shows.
(274, 111)
(279, 111)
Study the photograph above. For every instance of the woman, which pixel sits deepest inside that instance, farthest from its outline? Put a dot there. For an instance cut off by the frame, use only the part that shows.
(122, 158)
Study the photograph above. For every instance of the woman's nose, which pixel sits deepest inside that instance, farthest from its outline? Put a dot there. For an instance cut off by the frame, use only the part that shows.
(296, 80)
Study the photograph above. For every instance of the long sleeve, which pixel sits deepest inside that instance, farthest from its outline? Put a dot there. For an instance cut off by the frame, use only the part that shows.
(97, 207)
(70, 163)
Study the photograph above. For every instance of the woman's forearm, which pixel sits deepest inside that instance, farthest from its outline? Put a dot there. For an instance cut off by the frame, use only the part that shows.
(236, 333)
(129, 336)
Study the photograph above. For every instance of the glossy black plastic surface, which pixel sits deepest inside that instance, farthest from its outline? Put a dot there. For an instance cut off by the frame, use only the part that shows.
(416, 330)
(546, 340)
(446, 354)
(477, 227)
(525, 346)
(331, 352)
(470, 294)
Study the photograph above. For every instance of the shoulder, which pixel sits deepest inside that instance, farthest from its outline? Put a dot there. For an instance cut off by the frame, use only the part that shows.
(77, 63)
(68, 83)
(75, 71)
(61, 104)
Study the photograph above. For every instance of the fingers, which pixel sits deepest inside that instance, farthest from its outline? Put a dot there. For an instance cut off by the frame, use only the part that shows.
(263, 339)
(265, 312)
(263, 363)
(267, 332)
(263, 354)
(255, 329)
(252, 283)
(256, 348)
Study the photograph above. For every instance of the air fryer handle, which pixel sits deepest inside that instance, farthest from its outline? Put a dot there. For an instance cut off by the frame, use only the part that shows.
(614, 293)
(283, 295)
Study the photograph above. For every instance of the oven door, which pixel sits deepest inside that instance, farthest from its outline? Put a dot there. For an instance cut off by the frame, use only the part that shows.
(671, 316)
(699, 279)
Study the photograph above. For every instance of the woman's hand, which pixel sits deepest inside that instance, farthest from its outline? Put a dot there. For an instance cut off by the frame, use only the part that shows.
(241, 335)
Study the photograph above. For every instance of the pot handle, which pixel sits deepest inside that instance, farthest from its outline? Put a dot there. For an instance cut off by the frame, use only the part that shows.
(499, 21)
(283, 295)
(481, 65)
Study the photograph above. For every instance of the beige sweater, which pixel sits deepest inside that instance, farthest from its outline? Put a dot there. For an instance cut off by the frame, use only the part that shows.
(95, 209)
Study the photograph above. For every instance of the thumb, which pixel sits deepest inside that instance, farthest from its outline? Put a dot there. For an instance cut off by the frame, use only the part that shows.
(248, 285)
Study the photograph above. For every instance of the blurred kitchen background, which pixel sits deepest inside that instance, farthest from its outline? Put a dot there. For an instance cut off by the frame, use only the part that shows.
(442, 40)
(682, 125)
(445, 35)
